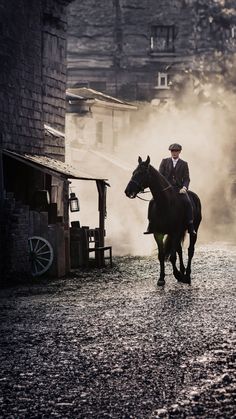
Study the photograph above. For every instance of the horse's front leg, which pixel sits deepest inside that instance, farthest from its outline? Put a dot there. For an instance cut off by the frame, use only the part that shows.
(192, 241)
(181, 262)
(176, 246)
(161, 256)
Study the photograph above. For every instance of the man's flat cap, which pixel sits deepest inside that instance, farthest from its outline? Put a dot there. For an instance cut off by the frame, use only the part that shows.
(175, 146)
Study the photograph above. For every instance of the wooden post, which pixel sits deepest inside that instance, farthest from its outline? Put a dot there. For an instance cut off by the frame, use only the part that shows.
(101, 186)
(1, 208)
(101, 208)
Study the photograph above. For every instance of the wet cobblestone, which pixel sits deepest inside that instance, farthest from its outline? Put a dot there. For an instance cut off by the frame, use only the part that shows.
(111, 344)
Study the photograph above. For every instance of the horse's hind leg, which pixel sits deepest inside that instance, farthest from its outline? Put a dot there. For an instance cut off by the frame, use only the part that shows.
(192, 241)
(173, 263)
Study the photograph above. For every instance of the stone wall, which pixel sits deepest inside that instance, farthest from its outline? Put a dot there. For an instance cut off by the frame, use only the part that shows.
(111, 42)
(33, 72)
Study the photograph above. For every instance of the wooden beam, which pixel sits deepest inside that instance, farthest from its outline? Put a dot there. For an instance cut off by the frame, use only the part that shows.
(101, 186)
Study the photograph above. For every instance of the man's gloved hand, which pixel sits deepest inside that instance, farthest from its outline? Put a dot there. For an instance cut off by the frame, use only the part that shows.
(183, 190)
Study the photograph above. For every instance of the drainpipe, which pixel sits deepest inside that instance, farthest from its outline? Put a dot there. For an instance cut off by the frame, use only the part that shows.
(1, 207)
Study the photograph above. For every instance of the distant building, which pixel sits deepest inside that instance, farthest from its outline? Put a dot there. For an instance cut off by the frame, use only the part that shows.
(140, 50)
(94, 121)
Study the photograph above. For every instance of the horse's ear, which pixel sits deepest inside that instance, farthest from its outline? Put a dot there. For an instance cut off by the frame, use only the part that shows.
(148, 160)
(139, 160)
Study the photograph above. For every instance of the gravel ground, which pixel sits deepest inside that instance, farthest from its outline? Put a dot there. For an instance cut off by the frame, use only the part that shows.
(111, 344)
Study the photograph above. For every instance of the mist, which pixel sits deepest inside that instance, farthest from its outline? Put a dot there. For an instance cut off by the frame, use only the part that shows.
(206, 131)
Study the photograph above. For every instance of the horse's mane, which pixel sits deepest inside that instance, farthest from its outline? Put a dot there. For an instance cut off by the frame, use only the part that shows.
(162, 180)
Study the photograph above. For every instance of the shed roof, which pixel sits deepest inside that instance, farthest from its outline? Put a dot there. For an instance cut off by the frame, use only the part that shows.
(51, 166)
(85, 93)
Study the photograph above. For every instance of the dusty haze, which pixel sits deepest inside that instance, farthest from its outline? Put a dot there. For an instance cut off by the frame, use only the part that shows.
(206, 132)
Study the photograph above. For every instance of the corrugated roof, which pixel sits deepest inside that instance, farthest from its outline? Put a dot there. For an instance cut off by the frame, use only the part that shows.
(87, 93)
(48, 164)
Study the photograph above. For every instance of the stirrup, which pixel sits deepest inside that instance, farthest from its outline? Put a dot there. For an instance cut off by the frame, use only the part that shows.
(149, 230)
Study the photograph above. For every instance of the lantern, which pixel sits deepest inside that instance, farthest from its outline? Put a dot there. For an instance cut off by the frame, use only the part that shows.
(73, 202)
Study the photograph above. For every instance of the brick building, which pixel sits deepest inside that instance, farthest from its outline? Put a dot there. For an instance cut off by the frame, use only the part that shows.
(32, 78)
(140, 50)
(34, 181)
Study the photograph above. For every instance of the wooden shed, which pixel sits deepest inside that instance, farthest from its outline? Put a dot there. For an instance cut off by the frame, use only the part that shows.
(36, 210)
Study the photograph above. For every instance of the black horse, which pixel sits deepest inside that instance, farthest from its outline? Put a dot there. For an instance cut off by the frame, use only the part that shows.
(167, 214)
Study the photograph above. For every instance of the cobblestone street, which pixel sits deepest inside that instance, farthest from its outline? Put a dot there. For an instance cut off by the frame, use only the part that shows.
(111, 344)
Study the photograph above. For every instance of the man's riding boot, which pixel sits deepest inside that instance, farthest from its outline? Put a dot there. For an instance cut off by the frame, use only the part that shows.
(149, 230)
(191, 229)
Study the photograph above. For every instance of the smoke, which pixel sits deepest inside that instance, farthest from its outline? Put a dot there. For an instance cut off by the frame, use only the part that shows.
(206, 131)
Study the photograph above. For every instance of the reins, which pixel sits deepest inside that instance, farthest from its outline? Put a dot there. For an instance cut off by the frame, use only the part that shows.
(168, 187)
(148, 200)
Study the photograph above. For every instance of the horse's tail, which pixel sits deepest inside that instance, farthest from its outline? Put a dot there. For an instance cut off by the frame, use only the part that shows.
(168, 245)
(197, 208)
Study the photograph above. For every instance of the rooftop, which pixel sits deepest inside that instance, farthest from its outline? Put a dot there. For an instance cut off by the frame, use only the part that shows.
(84, 93)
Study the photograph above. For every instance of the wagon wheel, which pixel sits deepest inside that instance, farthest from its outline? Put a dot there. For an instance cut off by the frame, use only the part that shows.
(41, 255)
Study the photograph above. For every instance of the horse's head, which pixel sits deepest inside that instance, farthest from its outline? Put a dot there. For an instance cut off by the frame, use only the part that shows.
(139, 179)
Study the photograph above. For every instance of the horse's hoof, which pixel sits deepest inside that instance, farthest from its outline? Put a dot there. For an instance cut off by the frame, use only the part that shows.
(161, 282)
(179, 276)
(185, 280)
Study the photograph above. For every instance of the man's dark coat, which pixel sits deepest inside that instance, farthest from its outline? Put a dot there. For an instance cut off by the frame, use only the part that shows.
(178, 176)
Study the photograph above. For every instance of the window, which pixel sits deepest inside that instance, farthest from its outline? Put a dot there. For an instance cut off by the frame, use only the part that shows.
(162, 38)
(99, 133)
(162, 81)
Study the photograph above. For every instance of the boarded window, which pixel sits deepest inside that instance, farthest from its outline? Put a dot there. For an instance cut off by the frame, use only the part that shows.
(162, 38)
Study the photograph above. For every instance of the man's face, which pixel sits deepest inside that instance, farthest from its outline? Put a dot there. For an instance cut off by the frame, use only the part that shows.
(175, 154)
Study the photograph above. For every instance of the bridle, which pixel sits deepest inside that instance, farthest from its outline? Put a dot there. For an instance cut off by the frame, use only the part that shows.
(142, 190)
(138, 184)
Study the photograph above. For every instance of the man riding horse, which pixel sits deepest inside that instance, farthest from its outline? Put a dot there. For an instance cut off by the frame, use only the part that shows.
(176, 171)
(169, 212)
